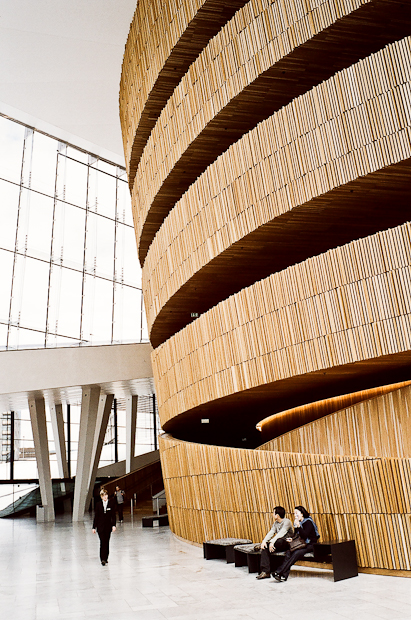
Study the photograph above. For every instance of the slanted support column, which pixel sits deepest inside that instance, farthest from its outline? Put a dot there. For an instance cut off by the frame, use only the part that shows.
(37, 410)
(103, 414)
(57, 423)
(131, 420)
(88, 422)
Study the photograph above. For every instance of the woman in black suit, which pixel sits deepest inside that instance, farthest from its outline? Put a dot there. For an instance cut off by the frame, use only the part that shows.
(105, 523)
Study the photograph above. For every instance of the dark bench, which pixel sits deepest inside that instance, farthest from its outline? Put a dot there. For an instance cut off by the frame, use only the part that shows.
(222, 548)
(149, 521)
(338, 555)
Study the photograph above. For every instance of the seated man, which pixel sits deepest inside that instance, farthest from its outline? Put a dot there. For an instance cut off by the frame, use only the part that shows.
(275, 540)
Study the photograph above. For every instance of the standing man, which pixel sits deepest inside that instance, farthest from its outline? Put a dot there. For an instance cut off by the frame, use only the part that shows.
(119, 495)
(105, 523)
(275, 540)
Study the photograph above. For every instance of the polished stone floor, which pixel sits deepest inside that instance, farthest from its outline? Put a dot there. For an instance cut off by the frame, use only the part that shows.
(52, 572)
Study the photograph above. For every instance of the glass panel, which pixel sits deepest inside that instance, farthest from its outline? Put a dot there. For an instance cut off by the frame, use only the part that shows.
(30, 290)
(10, 493)
(54, 340)
(35, 224)
(9, 203)
(127, 314)
(43, 165)
(11, 149)
(6, 272)
(72, 181)
(3, 335)
(25, 466)
(104, 166)
(100, 245)
(102, 193)
(76, 154)
(28, 155)
(124, 213)
(97, 310)
(128, 268)
(69, 229)
(20, 338)
(65, 302)
(144, 328)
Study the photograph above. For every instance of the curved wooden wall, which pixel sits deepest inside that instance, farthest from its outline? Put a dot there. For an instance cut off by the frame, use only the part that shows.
(376, 427)
(268, 146)
(344, 307)
(216, 492)
(289, 161)
(164, 39)
(290, 419)
(258, 63)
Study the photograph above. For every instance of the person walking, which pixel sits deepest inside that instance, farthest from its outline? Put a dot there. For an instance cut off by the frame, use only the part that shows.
(105, 523)
(119, 495)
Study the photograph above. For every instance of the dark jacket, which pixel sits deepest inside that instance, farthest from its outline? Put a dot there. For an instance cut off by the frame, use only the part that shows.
(104, 521)
(307, 531)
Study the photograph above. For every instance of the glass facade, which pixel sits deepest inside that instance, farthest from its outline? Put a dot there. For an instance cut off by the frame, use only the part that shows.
(69, 276)
(69, 273)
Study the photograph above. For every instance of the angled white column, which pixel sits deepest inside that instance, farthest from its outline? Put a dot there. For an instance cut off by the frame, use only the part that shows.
(88, 421)
(103, 414)
(131, 419)
(57, 423)
(38, 423)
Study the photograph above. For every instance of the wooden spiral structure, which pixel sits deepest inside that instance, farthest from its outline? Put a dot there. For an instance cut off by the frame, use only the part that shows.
(268, 146)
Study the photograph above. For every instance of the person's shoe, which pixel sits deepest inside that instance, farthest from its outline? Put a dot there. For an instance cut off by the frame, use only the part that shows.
(277, 576)
(103, 563)
(263, 576)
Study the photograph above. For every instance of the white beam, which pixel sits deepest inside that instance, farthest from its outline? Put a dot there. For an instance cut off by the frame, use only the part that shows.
(57, 423)
(103, 414)
(131, 420)
(38, 423)
(88, 421)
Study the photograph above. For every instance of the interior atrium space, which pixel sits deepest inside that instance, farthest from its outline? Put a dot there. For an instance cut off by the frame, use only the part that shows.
(205, 309)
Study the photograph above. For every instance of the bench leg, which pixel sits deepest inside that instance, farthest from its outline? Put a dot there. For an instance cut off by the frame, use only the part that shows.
(344, 560)
(213, 552)
(253, 562)
(240, 559)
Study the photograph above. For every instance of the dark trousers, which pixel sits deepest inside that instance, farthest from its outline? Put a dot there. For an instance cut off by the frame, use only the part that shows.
(120, 511)
(104, 544)
(265, 563)
(291, 557)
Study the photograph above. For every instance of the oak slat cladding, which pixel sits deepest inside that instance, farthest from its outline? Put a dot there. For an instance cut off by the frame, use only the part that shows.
(165, 37)
(310, 148)
(215, 492)
(348, 305)
(374, 427)
(290, 419)
(269, 53)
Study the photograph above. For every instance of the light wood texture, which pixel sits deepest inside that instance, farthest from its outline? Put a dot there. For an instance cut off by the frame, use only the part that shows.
(165, 37)
(285, 421)
(216, 492)
(276, 206)
(268, 53)
(278, 181)
(377, 427)
(329, 313)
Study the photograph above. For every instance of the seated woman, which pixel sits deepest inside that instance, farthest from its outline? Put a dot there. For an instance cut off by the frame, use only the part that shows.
(305, 526)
